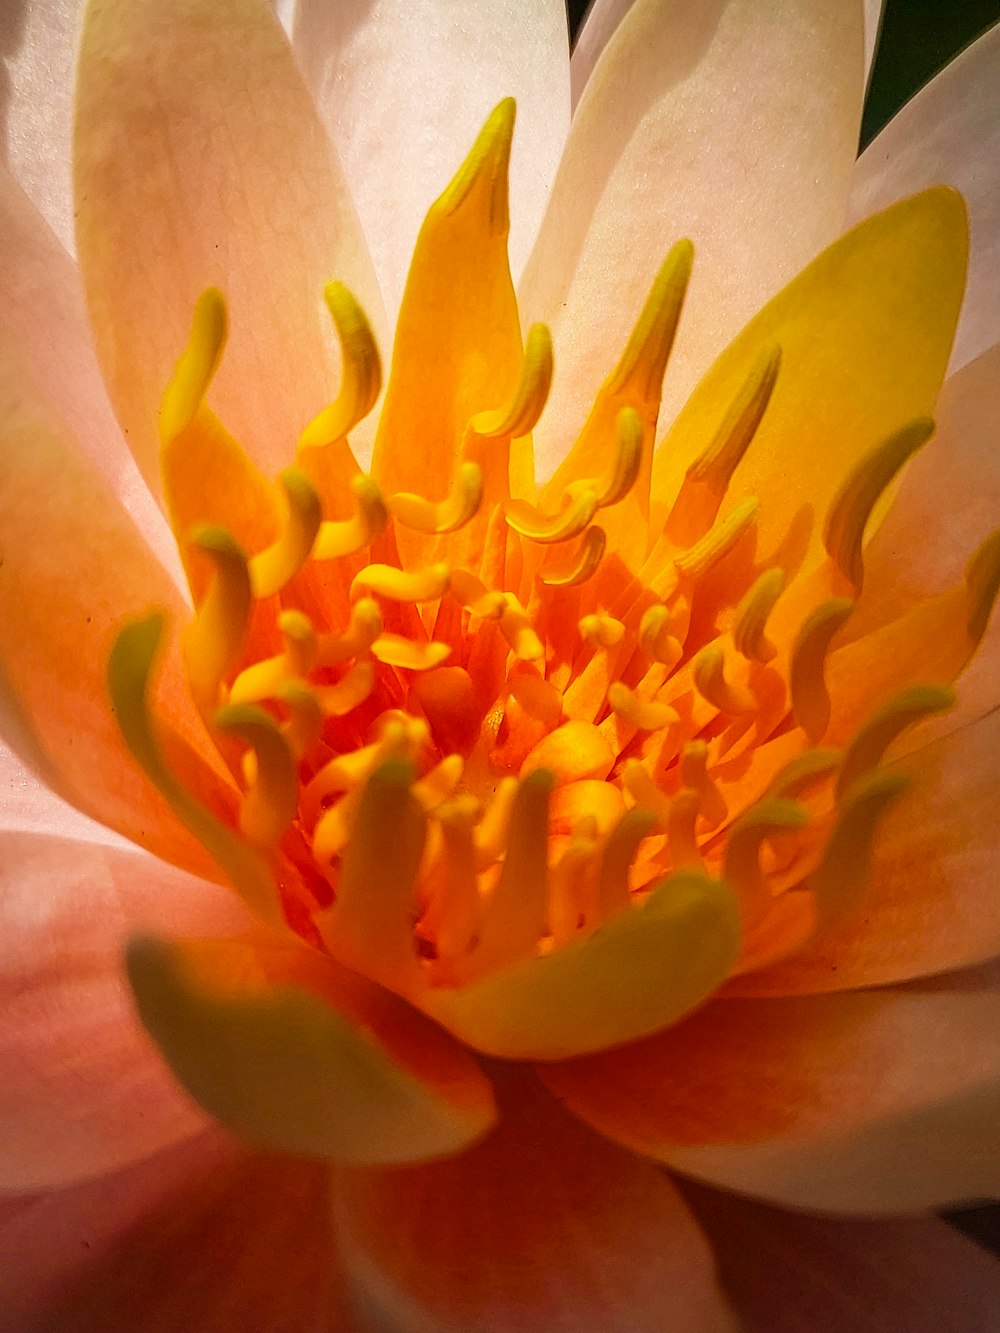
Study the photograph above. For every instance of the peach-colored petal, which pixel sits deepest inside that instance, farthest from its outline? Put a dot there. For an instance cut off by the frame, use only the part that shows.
(28, 806)
(541, 1227)
(82, 1089)
(931, 903)
(791, 1273)
(949, 134)
(38, 43)
(45, 333)
(74, 568)
(291, 1050)
(872, 1101)
(404, 90)
(205, 1237)
(873, 30)
(200, 161)
(684, 131)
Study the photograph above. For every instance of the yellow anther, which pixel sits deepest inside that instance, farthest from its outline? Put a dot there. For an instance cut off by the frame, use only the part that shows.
(475, 596)
(336, 539)
(263, 679)
(491, 832)
(481, 181)
(644, 714)
(640, 370)
(197, 365)
(871, 742)
(982, 579)
(645, 792)
(412, 511)
(709, 673)
(333, 829)
(519, 632)
(750, 619)
(843, 871)
(268, 807)
(718, 541)
(360, 376)
(417, 585)
(601, 631)
(397, 651)
(681, 822)
(741, 864)
(694, 774)
(440, 783)
(626, 464)
(805, 771)
(520, 417)
(569, 522)
(515, 915)
(656, 637)
(582, 563)
(305, 720)
(340, 699)
(213, 642)
(364, 628)
(844, 529)
(807, 670)
(301, 641)
(280, 562)
(619, 850)
(347, 772)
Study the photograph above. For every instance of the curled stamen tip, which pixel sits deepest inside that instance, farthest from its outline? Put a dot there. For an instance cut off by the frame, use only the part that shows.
(483, 175)
(196, 366)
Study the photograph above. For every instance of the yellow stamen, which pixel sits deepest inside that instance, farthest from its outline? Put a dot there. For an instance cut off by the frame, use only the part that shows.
(475, 596)
(197, 365)
(213, 642)
(569, 522)
(619, 851)
(514, 917)
(750, 619)
(364, 628)
(413, 511)
(804, 772)
(525, 407)
(491, 831)
(681, 823)
(698, 559)
(264, 679)
(806, 677)
(870, 744)
(582, 563)
(656, 636)
(844, 529)
(709, 674)
(640, 370)
(417, 585)
(519, 632)
(643, 714)
(694, 774)
(336, 539)
(741, 863)
(625, 466)
(305, 722)
(843, 872)
(276, 566)
(601, 631)
(440, 783)
(645, 792)
(340, 699)
(397, 651)
(360, 376)
(268, 807)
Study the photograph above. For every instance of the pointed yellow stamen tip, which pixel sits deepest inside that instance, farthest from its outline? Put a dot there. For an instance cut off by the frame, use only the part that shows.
(619, 851)
(481, 181)
(625, 466)
(396, 651)
(530, 395)
(440, 783)
(397, 585)
(694, 774)
(443, 516)
(645, 792)
(601, 631)
(582, 563)
(807, 669)
(268, 807)
(904, 710)
(519, 632)
(197, 365)
(213, 641)
(340, 699)
(709, 674)
(982, 579)
(640, 370)
(336, 539)
(305, 722)
(473, 594)
(847, 518)
(569, 522)
(806, 771)
(718, 541)
(276, 566)
(741, 864)
(843, 871)
(750, 619)
(361, 371)
(643, 714)
(364, 628)
(656, 636)
(681, 823)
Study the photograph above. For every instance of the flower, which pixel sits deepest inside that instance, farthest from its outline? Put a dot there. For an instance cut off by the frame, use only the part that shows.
(548, 812)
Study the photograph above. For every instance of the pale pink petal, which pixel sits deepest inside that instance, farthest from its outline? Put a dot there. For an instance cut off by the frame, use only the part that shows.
(38, 41)
(207, 1237)
(791, 1273)
(200, 161)
(82, 1088)
(875, 1101)
(949, 134)
(28, 806)
(405, 89)
(542, 1227)
(734, 124)
(873, 30)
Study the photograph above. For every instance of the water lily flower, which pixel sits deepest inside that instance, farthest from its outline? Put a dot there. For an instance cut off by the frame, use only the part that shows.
(537, 735)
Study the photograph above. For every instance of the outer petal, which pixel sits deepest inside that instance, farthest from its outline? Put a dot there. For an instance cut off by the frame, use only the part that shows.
(931, 904)
(28, 806)
(404, 90)
(787, 1272)
(199, 161)
(39, 49)
(683, 131)
(876, 1101)
(292, 1051)
(206, 1238)
(82, 1089)
(949, 133)
(541, 1227)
